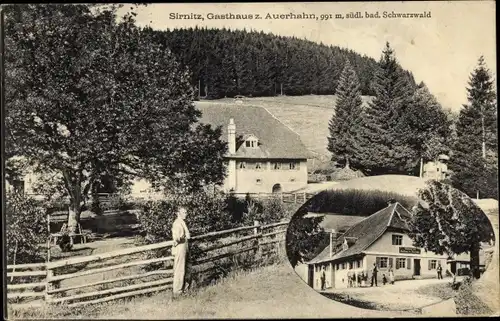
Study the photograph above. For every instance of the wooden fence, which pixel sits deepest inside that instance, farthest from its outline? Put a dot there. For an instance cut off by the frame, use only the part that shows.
(26, 281)
(294, 197)
(114, 275)
(288, 197)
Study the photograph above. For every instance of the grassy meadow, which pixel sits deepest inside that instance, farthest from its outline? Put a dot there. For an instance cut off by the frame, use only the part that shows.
(307, 115)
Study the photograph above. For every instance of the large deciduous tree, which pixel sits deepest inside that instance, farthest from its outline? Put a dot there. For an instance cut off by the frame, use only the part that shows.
(475, 153)
(447, 221)
(91, 95)
(346, 121)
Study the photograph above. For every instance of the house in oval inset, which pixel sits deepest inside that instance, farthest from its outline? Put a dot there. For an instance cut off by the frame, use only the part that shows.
(382, 239)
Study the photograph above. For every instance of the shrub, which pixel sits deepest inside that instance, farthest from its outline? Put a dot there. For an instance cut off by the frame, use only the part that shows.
(26, 229)
(237, 207)
(269, 211)
(207, 212)
(346, 174)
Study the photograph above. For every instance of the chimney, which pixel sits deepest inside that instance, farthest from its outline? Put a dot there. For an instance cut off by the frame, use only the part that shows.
(332, 238)
(231, 136)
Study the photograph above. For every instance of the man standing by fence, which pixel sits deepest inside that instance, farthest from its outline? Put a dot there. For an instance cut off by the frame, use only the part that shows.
(180, 236)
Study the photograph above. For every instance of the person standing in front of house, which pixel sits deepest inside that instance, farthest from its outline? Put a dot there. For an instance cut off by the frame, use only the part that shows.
(391, 275)
(180, 236)
(440, 271)
(374, 274)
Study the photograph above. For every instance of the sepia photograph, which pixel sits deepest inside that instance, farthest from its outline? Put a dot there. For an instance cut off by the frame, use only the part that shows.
(249, 160)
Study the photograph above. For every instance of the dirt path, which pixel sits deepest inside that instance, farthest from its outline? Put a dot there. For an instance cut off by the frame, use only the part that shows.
(402, 295)
(97, 247)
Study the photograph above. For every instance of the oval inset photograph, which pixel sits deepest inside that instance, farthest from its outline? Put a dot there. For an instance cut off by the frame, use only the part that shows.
(396, 243)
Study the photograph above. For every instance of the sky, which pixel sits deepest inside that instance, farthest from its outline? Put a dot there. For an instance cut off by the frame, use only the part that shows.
(441, 50)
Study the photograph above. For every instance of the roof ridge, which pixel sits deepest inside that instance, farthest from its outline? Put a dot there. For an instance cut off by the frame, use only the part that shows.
(392, 213)
(367, 217)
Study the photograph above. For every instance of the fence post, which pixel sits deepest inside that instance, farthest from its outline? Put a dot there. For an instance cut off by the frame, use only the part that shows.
(48, 250)
(48, 286)
(256, 229)
(256, 242)
(281, 196)
(305, 197)
(295, 198)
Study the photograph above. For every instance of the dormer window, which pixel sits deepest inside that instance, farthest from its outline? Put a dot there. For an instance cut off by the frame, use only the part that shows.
(251, 141)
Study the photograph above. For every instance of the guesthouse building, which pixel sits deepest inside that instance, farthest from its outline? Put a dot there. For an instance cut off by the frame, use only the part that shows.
(264, 155)
(380, 238)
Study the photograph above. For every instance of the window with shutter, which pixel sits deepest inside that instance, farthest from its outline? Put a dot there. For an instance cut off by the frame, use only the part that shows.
(377, 261)
(391, 262)
(400, 263)
(382, 262)
(408, 266)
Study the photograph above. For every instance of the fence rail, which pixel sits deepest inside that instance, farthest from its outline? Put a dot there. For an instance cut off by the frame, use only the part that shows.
(251, 243)
(285, 197)
(35, 275)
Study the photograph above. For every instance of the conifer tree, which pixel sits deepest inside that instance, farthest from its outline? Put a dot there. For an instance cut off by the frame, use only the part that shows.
(475, 152)
(346, 120)
(429, 126)
(383, 142)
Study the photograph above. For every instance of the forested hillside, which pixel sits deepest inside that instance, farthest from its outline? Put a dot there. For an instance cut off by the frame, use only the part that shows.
(225, 63)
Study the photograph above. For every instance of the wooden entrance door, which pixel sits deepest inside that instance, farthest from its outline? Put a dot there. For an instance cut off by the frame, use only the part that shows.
(416, 267)
(310, 275)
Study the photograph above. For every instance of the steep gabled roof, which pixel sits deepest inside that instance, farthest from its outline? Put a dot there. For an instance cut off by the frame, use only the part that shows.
(275, 139)
(368, 231)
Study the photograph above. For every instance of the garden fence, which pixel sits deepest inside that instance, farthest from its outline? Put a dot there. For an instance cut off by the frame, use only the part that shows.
(114, 275)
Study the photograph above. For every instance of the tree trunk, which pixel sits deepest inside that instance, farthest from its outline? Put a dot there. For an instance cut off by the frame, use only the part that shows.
(474, 262)
(421, 167)
(483, 134)
(74, 217)
(75, 209)
(347, 165)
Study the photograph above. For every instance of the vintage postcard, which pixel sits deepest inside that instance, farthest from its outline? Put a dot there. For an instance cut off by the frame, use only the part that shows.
(250, 160)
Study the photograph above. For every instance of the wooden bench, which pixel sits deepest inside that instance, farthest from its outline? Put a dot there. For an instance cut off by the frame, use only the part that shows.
(55, 236)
